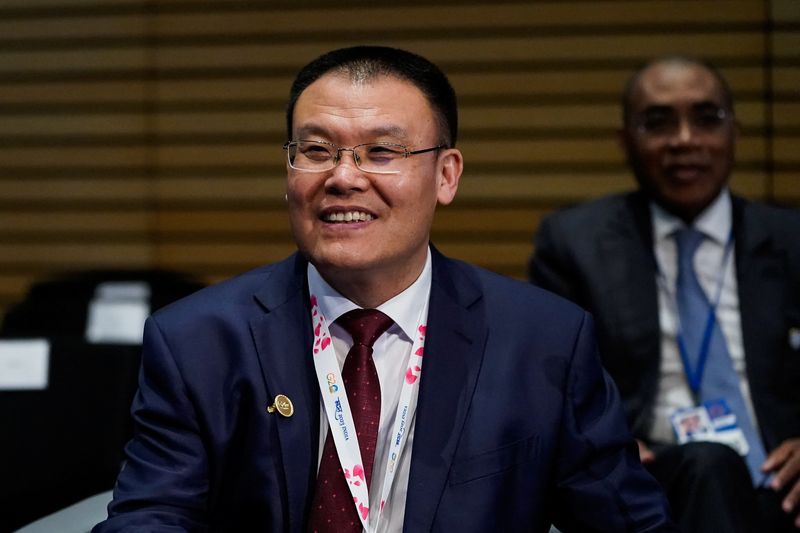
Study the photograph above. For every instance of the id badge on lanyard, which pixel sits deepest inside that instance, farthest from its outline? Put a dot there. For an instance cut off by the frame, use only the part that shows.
(340, 417)
(712, 420)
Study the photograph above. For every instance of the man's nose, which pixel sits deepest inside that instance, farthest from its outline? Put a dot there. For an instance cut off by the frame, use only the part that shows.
(346, 175)
(684, 133)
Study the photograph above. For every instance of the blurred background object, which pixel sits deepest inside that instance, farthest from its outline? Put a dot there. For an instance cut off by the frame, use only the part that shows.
(69, 360)
(147, 134)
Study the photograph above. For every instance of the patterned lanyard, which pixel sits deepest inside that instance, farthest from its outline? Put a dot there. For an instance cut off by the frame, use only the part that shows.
(340, 417)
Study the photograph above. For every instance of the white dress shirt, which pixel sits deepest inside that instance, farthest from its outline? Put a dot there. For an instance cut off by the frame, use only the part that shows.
(715, 223)
(391, 353)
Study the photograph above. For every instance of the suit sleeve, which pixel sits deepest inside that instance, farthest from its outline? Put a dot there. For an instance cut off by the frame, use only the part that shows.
(163, 484)
(600, 483)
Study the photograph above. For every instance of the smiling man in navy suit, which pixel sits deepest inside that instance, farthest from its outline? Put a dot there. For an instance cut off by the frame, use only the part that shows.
(480, 404)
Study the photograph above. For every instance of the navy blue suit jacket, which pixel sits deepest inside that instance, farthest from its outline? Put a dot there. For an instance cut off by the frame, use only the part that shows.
(517, 424)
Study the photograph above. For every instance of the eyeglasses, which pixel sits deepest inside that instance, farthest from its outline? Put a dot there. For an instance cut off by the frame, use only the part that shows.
(665, 121)
(377, 158)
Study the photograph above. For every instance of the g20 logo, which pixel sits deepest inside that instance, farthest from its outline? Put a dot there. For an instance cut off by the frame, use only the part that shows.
(332, 386)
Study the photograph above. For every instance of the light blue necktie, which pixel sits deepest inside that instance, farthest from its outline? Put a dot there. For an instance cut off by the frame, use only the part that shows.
(719, 380)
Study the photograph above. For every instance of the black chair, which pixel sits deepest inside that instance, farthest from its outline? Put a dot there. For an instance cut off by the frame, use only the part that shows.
(65, 443)
(58, 306)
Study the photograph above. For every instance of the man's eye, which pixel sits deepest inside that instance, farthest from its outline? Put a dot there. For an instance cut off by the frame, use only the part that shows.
(708, 119)
(383, 153)
(316, 153)
(658, 122)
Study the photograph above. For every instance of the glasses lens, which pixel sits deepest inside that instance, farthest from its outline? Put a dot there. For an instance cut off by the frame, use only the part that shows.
(318, 156)
(311, 155)
(662, 122)
(379, 157)
(709, 118)
(658, 122)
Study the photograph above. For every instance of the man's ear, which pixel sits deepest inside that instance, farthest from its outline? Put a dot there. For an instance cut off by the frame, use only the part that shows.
(450, 167)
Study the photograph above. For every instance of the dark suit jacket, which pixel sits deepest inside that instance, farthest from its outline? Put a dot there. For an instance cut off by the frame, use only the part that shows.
(516, 423)
(600, 255)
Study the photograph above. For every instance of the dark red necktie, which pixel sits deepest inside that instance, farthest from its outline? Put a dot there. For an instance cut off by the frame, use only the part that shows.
(332, 510)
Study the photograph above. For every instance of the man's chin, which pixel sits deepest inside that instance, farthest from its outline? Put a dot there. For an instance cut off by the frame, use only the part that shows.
(686, 206)
(341, 261)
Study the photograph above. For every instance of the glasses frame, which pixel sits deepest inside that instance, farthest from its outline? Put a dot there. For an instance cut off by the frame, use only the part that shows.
(338, 157)
(725, 116)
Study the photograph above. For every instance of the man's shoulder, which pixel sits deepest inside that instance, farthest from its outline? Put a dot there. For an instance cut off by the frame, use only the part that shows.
(592, 215)
(780, 224)
(775, 215)
(232, 295)
(501, 292)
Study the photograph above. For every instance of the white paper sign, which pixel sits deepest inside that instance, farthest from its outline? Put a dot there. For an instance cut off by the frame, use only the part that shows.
(24, 364)
(116, 322)
(117, 313)
(123, 290)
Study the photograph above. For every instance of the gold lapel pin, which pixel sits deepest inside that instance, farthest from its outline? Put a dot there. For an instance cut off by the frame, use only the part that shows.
(283, 405)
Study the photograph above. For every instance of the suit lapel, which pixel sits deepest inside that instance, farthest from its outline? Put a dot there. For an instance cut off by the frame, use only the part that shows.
(453, 354)
(761, 281)
(283, 341)
(630, 304)
(760, 272)
(626, 245)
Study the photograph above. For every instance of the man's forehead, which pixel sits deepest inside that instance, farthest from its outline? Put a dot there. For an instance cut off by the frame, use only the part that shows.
(381, 105)
(359, 84)
(675, 84)
(360, 95)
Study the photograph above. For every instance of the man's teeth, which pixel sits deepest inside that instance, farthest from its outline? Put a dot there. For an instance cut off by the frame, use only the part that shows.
(349, 216)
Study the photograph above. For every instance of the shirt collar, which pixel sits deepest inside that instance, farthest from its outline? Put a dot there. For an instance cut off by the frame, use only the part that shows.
(715, 221)
(404, 308)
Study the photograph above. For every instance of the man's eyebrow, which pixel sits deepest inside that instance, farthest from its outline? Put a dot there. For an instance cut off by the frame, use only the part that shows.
(665, 108)
(315, 130)
(658, 108)
(389, 131)
(706, 104)
(310, 130)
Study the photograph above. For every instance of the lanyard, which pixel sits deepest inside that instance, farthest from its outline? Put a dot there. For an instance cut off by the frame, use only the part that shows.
(340, 417)
(694, 376)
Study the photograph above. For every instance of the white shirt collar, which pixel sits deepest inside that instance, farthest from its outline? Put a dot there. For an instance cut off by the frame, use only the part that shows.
(715, 221)
(404, 308)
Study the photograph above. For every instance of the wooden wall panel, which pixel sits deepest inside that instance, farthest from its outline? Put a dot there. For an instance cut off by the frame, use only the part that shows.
(42, 27)
(69, 95)
(148, 132)
(76, 174)
(187, 19)
(785, 111)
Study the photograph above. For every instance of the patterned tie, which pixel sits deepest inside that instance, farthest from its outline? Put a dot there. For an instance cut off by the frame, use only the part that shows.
(332, 510)
(719, 380)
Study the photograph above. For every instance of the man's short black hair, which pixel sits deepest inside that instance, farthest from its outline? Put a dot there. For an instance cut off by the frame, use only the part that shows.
(678, 60)
(364, 63)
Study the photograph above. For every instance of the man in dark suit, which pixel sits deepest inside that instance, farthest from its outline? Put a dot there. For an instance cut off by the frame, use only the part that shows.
(249, 403)
(618, 258)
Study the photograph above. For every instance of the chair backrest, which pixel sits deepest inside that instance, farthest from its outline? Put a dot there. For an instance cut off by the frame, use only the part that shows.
(79, 517)
(65, 442)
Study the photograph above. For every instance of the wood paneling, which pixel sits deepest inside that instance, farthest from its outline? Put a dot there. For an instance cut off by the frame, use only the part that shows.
(784, 114)
(141, 133)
